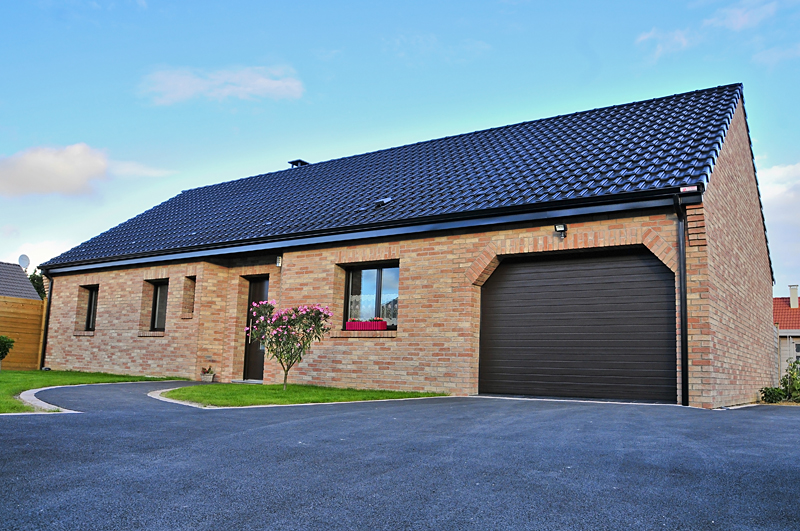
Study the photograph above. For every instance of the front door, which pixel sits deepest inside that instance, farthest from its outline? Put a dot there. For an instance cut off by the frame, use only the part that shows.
(254, 350)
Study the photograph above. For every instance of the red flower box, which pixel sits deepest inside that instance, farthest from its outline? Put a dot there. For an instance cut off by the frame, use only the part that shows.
(365, 325)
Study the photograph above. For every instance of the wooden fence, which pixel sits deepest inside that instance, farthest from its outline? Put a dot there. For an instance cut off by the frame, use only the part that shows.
(23, 321)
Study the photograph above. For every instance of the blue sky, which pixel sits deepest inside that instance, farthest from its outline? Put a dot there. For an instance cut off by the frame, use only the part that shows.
(108, 108)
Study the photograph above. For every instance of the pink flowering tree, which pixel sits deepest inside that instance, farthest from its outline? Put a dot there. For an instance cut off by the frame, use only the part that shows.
(287, 334)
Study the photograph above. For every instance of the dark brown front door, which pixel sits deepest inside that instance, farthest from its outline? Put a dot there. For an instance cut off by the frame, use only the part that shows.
(254, 350)
(594, 325)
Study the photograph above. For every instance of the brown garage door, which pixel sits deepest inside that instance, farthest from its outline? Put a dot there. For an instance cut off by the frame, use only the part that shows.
(580, 325)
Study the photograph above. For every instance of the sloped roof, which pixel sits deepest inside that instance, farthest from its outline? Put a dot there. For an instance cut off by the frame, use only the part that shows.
(15, 283)
(611, 153)
(784, 315)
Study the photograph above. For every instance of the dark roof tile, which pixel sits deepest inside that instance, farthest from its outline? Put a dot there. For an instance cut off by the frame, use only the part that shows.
(15, 283)
(637, 147)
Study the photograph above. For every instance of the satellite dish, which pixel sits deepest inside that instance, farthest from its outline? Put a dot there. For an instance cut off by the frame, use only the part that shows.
(24, 261)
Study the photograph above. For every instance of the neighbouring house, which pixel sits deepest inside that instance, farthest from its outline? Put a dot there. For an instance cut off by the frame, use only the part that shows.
(619, 252)
(786, 314)
(21, 318)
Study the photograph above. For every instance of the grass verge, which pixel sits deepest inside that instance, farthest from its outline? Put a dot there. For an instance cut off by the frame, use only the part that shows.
(238, 395)
(12, 383)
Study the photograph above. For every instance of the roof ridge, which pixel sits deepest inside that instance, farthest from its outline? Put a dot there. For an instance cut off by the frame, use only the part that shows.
(296, 171)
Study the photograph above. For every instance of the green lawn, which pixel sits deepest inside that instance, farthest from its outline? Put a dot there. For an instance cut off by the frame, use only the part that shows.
(258, 395)
(12, 383)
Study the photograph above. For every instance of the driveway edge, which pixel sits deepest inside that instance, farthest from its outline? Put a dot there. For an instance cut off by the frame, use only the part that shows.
(29, 398)
(157, 395)
(45, 408)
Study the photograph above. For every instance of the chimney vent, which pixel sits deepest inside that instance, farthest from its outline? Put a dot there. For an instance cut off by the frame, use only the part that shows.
(297, 163)
(793, 295)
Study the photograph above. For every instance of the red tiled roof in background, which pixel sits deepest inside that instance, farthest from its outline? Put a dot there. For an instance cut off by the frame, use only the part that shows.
(786, 317)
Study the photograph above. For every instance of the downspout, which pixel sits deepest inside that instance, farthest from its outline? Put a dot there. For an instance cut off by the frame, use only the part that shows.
(46, 320)
(681, 234)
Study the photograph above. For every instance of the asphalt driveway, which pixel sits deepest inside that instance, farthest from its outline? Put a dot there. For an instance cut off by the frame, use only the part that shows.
(132, 462)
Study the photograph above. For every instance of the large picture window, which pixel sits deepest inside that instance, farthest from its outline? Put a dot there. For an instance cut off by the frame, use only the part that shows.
(158, 318)
(373, 293)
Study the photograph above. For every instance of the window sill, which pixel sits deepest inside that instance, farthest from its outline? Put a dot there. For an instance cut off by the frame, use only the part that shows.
(151, 334)
(187, 315)
(85, 333)
(364, 333)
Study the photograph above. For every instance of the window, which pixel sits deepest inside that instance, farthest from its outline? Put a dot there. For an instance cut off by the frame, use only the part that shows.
(373, 293)
(158, 317)
(91, 308)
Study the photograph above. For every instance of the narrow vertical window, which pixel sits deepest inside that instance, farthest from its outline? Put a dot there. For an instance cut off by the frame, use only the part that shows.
(158, 319)
(390, 281)
(91, 308)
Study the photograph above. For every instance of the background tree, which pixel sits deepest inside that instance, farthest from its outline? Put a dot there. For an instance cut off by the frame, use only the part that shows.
(38, 282)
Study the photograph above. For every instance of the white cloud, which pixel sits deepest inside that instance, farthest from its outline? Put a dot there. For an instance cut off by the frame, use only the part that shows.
(747, 14)
(780, 195)
(39, 252)
(777, 180)
(70, 170)
(171, 86)
(134, 169)
(773, 56)
(665, 41)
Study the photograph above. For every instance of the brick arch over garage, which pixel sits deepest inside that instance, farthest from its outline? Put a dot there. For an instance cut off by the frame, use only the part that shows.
(483, 266)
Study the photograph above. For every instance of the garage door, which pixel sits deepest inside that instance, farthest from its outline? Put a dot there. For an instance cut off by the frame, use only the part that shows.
(580, 325)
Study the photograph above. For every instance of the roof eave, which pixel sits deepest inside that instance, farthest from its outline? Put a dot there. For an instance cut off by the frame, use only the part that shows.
(558, 210)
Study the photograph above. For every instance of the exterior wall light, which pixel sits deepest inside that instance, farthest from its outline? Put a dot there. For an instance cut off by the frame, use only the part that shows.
(561, 228)
(279, 261)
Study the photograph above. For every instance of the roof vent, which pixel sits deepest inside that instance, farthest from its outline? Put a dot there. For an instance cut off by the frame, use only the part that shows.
(382, 202)
(297, 163)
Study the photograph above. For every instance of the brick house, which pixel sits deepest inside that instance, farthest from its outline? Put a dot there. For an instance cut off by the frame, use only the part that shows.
(786, 315)
(558, 257)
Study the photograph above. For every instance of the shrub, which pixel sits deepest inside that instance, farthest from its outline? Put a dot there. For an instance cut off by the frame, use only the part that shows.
(772, 395)
(287, 334)
(790, 382)
(5, 345)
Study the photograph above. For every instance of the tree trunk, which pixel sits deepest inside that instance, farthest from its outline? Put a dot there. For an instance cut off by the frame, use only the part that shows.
(285, 376)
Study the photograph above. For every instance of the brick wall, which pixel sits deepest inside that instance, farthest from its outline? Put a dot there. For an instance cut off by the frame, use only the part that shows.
(436, 344)
(434, 348)
(741, 352)
(697, 290)
(121, 341)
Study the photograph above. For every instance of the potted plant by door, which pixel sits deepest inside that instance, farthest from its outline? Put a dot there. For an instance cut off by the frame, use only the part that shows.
(376, 323)
(207, 374)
